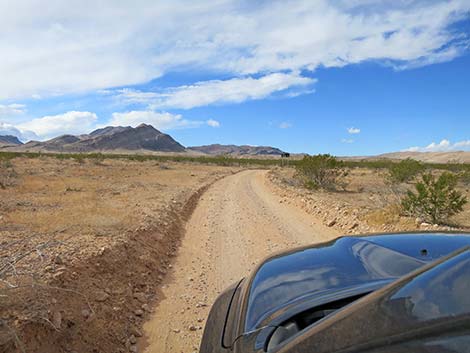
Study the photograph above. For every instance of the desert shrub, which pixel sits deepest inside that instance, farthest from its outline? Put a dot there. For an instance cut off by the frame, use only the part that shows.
(321, 171)
(465, 178)
(7, 174)
(435, 200)
(404, 170)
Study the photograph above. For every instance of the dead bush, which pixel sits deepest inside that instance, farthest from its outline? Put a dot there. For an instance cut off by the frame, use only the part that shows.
(8, 175)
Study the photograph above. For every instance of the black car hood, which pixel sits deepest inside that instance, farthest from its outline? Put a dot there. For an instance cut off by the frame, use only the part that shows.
(426, 305)
(294, 281)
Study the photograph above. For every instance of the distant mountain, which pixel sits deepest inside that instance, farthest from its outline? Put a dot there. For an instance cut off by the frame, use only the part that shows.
(107, 131)
(6, 140)
(217, 149)
(430, 157)
(143, 137)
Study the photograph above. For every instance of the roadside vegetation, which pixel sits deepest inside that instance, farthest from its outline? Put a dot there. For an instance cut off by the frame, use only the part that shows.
(7, 174)
(381, 195)
(464, 177)
(224, 160)
(322, 171)
(405, 171)
(435, 199)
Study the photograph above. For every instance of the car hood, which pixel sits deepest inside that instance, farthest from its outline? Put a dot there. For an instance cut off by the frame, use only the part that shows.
(306, 277)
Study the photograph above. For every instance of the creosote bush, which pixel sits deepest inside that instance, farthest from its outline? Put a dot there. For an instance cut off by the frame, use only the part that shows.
(321, 171)
(404, 171)
(465, 178)
(435, 200)
(7, 174)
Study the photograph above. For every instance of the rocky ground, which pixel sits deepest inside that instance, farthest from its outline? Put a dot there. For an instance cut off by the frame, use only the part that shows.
(84, 245)
(367, 205)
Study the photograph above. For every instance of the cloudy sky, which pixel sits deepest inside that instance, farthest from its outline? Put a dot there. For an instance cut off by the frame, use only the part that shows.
(348, 77)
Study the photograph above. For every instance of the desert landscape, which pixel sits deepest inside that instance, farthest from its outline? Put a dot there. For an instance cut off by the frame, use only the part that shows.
(234, 176)
(84, 246)
(109, 254)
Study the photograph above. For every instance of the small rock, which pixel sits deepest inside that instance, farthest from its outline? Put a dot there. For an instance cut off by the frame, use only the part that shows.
(132, 339)
(139, 312)
(354, 226)
(135, 331)
(192, 328)
(101, 296)
(175, 330)
(141, 297)
(133, 349)
(58, 260)
(86, 313)
(331, 223)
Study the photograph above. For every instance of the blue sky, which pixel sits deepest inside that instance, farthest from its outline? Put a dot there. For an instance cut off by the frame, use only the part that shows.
(354, 77)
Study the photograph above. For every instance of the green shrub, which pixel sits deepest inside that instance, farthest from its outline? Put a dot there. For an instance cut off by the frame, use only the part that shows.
(465, 178)
(435, 200)
(404, 170)
(321, 171)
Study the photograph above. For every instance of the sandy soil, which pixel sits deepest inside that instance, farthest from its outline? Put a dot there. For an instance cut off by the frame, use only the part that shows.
(237, 223)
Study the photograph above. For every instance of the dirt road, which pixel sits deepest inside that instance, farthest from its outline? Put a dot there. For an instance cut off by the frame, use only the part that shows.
(237, 223)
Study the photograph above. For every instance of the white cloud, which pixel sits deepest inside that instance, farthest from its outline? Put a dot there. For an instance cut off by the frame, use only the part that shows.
(83, 45)
(9, 110)
(354, 130)
(347, 141)
(443, 146)
(159, 120)
(285, 125)
(204, 93)
(23, 135)
(72, 122)
(213, 123)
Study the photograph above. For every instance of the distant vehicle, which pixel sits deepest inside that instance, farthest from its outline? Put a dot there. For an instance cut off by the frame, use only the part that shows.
(392, 293)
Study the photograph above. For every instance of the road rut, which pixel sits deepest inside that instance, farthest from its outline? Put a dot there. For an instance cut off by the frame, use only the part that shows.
(237, 223)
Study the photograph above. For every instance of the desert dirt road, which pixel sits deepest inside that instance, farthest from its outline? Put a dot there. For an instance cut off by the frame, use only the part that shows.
(238, 222)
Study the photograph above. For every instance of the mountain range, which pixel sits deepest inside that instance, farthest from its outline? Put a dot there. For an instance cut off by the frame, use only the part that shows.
(217, 149)
(146, 139)
(143, 138)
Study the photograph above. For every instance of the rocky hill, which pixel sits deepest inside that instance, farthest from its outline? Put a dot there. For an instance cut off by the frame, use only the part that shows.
(9, 140)
(217, 149)
(143, 137)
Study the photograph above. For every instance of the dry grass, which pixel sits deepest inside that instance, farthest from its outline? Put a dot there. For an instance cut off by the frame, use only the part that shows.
(86, 200)
(67, 228)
